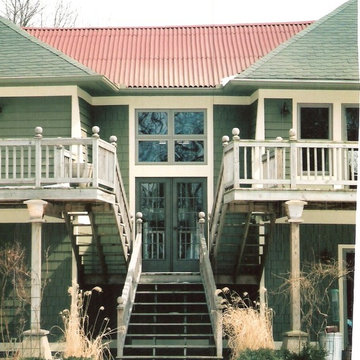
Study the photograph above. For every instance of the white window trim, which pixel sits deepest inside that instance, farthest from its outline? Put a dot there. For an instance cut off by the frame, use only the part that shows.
(342, 248)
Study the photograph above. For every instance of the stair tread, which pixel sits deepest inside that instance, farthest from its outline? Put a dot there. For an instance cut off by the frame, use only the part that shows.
(170, 303)
(170, 324)
(164, 346)
(169, 313)
(169, 292)
(170, 335)
(154, 357)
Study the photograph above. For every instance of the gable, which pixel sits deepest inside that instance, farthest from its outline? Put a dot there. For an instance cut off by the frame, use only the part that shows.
(326, 50)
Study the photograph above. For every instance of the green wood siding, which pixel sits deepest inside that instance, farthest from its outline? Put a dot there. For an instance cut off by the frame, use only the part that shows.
(227, 117)
(20, 116)
(114, 120)
(85, 118)
(56, 273)
(277, 122)
(314, 239)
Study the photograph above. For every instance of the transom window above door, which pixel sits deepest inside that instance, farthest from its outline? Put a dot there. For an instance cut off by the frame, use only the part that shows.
(171, 136)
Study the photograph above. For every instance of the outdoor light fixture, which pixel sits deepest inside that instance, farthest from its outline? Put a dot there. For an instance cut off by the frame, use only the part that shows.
(36, 209)
(294, 210)
(284, 109)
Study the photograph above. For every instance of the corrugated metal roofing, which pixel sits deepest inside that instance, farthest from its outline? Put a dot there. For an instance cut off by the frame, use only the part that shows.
(169, 57)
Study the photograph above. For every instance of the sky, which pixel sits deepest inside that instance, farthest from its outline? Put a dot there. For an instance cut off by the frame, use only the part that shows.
(95, 13)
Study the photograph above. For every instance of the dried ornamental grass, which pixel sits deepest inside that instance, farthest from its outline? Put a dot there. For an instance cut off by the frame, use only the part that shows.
(245, 325)
(80, 339)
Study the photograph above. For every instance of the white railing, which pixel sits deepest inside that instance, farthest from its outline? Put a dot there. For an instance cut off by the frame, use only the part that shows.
(126, 300)
(40, 161)
(213, 301)
(288, 163)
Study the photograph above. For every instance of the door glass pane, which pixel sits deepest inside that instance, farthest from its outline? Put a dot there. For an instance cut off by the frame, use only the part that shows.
(352, 123)
(189, 122)
(189, 151)
(189, 204)
(152, 123)
(153, 208)
(314, 124)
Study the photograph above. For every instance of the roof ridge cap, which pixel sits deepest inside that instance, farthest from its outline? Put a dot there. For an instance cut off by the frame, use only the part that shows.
(45, 46)
(292, 40)
(170, 26)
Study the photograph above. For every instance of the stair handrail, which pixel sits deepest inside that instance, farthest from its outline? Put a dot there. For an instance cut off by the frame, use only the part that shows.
(219, 193)
(127, 298)
(212, 299)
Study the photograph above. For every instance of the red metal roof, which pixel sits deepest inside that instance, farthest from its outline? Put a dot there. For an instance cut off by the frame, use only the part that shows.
(169, 57)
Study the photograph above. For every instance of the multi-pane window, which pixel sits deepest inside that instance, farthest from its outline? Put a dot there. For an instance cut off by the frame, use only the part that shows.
(171, 136)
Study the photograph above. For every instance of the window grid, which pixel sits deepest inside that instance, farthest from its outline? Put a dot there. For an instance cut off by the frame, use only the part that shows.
(170, 140)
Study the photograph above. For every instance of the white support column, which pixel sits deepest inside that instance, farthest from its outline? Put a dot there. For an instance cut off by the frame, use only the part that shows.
(35, 343)
(295, 339)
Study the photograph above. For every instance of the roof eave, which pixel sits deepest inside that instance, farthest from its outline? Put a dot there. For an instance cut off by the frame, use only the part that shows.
(94, 84)
(251, 85)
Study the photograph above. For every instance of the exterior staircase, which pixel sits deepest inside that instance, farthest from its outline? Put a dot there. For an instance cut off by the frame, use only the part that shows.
(99, 242)
(242, 245)
(170, 319)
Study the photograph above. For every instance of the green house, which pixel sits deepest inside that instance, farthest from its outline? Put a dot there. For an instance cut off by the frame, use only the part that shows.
(168, 159)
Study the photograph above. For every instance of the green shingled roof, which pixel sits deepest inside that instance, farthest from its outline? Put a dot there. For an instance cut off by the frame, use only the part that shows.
(23, 56)
(326, 50)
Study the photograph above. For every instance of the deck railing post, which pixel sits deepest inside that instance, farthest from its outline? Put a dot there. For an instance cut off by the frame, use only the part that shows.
(113, 141)
(236, 157)
(38, 158)
(293, 158)
(95, 155)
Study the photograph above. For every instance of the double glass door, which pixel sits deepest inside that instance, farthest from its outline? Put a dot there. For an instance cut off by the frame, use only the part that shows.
(170, 208)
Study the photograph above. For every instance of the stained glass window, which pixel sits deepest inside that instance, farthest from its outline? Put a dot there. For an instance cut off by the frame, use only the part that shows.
(171, 136)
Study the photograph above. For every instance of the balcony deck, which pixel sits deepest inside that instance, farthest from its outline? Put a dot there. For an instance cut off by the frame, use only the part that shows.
(280, 170)
(58, 169)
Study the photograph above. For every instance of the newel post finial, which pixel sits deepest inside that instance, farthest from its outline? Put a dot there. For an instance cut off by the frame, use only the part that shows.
(38, 132)
(202, 224)
(225, 140)
(236, 133)
(113, 140)
(292, 134)
(95, 130)
(139, 222)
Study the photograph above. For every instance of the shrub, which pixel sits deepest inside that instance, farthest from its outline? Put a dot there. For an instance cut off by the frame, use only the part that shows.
(308, 352)
(261, 354)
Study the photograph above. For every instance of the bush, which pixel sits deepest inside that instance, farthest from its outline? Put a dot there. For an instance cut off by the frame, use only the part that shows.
(261, 354)
(307, 353)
